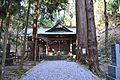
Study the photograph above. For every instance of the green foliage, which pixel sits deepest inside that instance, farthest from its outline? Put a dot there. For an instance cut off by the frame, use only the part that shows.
(112, 7)
(3, 10)
(112, 12)
(47, 23)
(1, 46)
(4, 6)
(113, 18)
(49, 7)
(67, 20)
(12, 39)
(20, 72)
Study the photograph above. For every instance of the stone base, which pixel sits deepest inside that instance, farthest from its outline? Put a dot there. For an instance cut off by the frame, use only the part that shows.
(115, 54)
(111, 78)
(114, 71)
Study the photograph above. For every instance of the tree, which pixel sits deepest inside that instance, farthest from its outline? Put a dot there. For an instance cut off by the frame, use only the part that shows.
(50, 9)
(92, 41)
(86, 34)
(6, 32)
(2, 17)
(81, 28)
(25, 35)
(3, 14)
(16, 41)
(113, 20)
(34, 36)
(118, 2)
(106, 29)
(12, 6)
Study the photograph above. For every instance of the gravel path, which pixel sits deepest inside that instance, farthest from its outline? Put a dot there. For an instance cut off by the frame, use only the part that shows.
(58, 70)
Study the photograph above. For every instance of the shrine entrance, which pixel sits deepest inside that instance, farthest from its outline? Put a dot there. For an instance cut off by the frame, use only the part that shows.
(61, 47)
(60, 40)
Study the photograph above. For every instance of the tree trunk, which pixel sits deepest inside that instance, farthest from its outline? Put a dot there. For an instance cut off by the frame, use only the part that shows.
(1, 26)
(16, 42)
(5, 41)
(1, 49)
(92, 41)
(34, 37)
(106, 30)
(119, 5)
(81, 28)
(86, 34)
(78, 30)
(24, 43)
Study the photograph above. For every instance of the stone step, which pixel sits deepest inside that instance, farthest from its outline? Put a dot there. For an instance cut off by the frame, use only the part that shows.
(56, 58)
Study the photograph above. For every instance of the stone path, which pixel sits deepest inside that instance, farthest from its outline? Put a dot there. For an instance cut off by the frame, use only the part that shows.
(58, 70)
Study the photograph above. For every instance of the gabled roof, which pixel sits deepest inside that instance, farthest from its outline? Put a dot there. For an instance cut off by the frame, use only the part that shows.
(59, 27)
(42, 31)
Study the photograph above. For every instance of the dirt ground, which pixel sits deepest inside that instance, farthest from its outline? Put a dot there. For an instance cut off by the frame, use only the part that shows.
(14, 72)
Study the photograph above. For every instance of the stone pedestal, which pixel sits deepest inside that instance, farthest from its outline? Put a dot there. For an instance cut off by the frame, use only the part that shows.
(110, 78)
(114, 68)
(114, 71)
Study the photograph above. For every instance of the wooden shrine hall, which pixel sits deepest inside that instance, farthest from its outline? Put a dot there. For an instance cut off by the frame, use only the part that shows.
(51, 41)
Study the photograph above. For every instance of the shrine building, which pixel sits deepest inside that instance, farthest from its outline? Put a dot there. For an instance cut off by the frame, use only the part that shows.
(57, 39)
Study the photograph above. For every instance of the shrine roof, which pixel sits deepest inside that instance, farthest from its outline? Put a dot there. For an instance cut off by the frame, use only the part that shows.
(47, 31)
(58, 29)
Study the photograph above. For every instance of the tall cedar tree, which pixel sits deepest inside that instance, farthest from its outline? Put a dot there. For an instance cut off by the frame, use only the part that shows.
(25, 35)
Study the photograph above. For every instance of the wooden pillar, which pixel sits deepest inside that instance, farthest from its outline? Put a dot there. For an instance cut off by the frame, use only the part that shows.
(46, 48)
(71, 46)
(59, 45)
